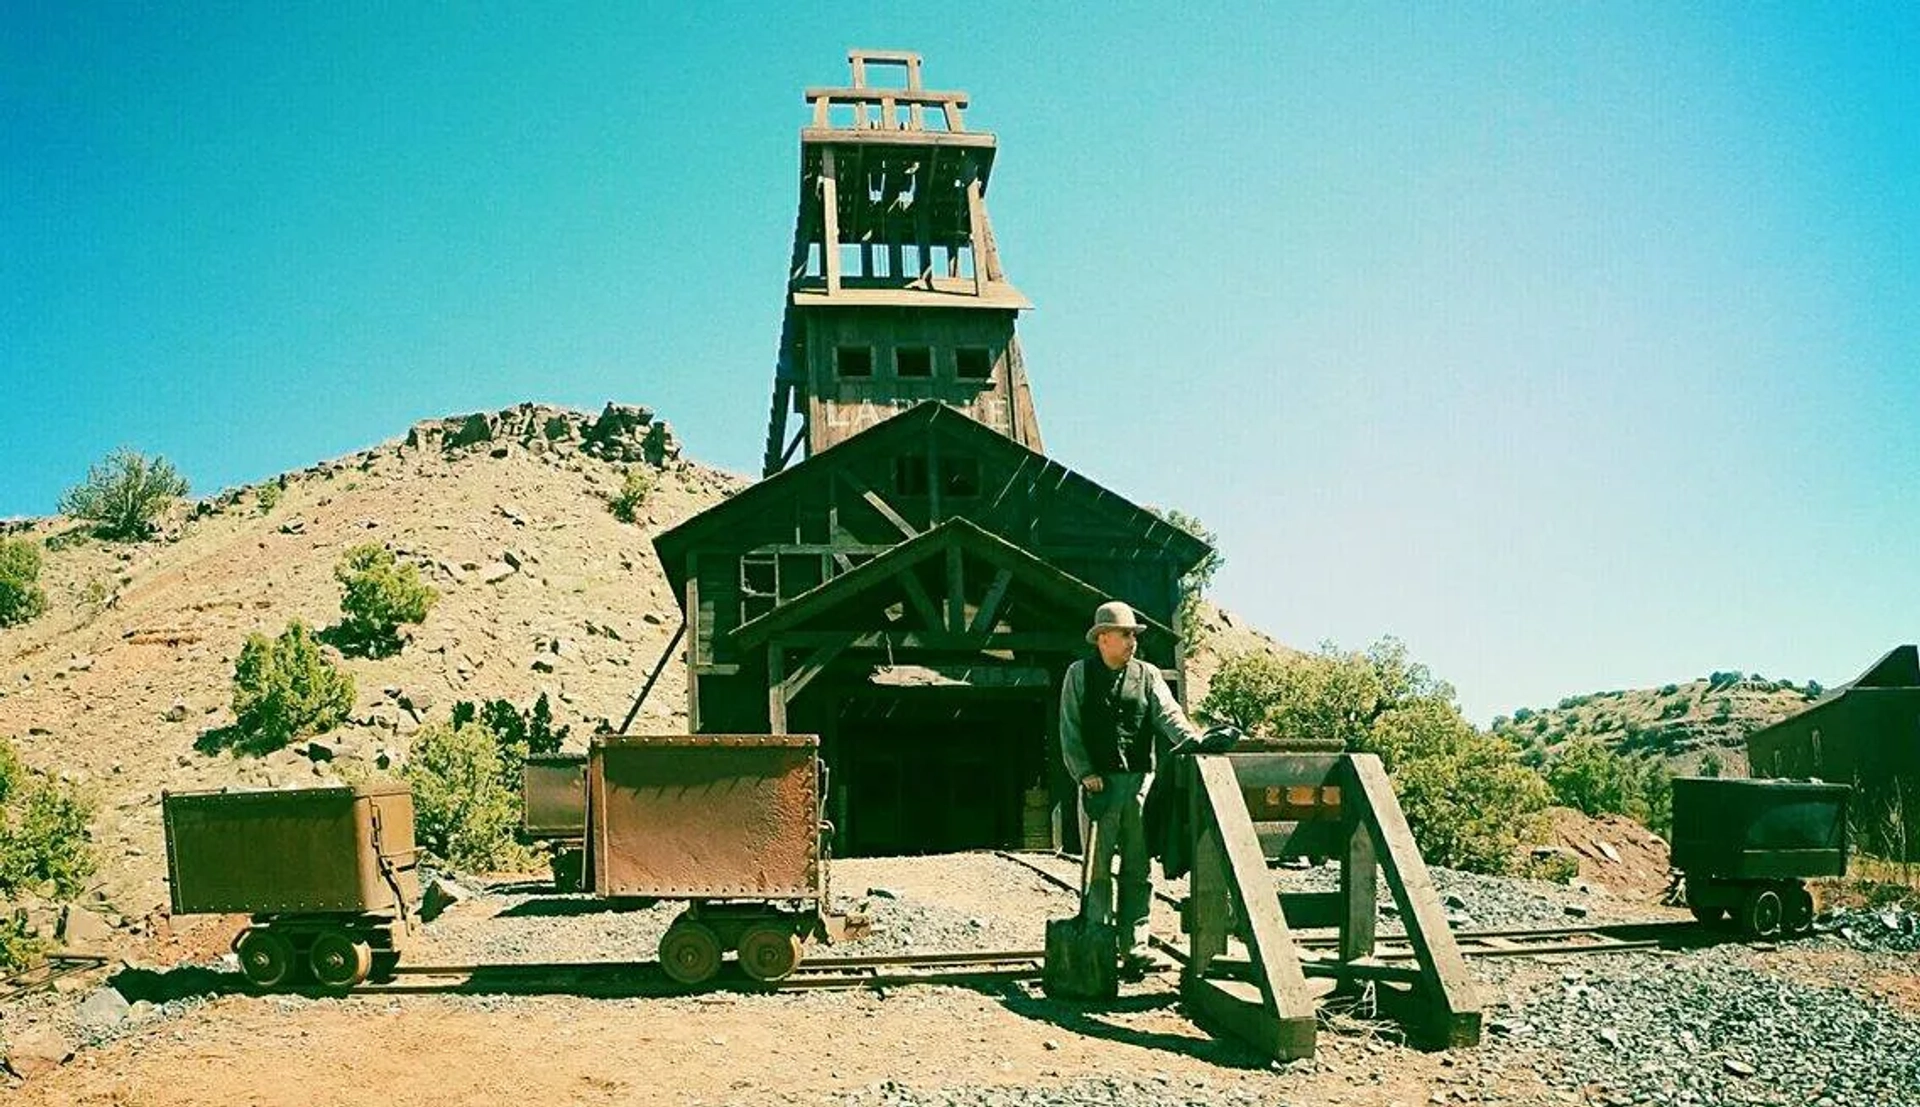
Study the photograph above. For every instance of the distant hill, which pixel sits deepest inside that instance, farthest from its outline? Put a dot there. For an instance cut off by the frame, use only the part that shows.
(1682, 723)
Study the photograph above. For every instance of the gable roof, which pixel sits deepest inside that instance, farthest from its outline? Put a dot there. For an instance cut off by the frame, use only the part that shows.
(1900, 668)
(891, 437)
(1070, 590)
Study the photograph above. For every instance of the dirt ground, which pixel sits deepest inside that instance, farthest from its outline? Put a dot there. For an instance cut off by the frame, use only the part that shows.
(726, 1049)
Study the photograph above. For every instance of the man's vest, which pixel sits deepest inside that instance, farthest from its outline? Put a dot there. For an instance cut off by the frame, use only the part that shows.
(1113, 720)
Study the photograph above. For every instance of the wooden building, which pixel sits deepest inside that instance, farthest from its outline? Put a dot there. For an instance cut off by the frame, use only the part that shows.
(914, 597)
(896, 292)
(1867, 734)
(913, 577)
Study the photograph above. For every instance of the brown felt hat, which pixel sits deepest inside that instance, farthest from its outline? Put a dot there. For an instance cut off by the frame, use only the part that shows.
(1114, 615)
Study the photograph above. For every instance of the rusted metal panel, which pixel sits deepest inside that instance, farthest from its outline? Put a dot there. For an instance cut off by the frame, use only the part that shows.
(291, 850)
(554, 787)
(707, 816)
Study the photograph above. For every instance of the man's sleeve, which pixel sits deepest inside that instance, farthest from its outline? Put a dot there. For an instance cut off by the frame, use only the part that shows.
(1073, 749)
(1169, 721)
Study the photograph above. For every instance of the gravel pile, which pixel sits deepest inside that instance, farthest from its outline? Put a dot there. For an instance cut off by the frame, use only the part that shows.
(1092, 1092)
(1893, 928)
(1489, 902)
(1708, 1029)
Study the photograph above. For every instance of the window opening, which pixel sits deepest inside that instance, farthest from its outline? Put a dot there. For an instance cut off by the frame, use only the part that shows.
(853, 361)
(913, 361)
(973, 363)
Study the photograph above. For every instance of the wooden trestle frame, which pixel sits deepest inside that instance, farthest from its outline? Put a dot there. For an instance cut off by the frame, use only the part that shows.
(1248, 807)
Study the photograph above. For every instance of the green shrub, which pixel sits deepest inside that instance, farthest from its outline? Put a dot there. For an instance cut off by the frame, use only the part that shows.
(1596, 780)
(517, 734)
(21, 597)
(284, 688)
(267, 498)
(1469, 800)
(1195, 581)
(125, 495)
(379, 595)
(1468, 796)
(463, 812)
(1554, 867)
(1711, 764)
(634, 490)
(18, 948)
(45, 845)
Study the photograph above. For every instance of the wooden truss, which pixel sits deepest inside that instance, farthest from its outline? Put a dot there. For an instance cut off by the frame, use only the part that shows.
(1244, 975)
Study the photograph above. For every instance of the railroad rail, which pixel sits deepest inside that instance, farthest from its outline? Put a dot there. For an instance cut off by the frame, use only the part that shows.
(645, 978)
(1542, 941)
(56, 967)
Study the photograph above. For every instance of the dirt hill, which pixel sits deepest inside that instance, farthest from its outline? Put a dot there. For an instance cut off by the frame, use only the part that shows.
(504, 513)
(1680, 722)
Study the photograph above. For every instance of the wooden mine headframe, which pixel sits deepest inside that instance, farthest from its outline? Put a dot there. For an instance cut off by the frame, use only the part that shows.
(896, 293)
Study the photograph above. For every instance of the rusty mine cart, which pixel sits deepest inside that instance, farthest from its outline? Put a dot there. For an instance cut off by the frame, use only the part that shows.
(326, 873)
(1745, 848)
(553, 791)
(731, 823)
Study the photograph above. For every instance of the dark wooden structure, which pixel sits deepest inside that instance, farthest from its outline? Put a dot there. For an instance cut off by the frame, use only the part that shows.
(914, 596)
(896, 293)
(1867, 734)
(1243, 973)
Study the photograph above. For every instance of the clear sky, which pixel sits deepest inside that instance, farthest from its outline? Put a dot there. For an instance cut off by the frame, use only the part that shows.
(1576, 344)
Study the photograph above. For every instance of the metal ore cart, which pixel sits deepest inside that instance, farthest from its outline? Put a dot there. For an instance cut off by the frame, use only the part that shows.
(1746, 847)
(732, 824)
(554, 788)
(328, 875)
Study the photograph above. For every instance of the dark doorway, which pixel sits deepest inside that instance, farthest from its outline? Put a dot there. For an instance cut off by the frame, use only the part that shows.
(935, 771)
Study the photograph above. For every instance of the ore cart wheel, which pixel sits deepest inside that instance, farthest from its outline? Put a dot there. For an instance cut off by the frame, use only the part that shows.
(769, 952)
(1799, 911)
(338, 961)
(1760, 912)
(690, 953)
(265, 957)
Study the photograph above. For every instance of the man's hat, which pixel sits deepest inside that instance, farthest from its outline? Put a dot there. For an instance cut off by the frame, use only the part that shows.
(1114, 615)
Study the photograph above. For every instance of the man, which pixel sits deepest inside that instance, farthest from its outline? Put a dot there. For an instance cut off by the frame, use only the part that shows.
(1116, 715)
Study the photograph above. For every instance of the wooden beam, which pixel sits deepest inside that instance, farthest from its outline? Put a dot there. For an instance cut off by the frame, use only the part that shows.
(956, 591)
(977, 235)
(1453, 1006)
(1295, 838)
(776, 689)
(1060, 642)
(830, 222)
(1286, 770)
(813, 666)
(1358, 889)
(1287, 1001)
(989, 609)
(917, 596)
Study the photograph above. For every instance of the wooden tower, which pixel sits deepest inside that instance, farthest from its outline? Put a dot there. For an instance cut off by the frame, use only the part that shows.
(896, 294)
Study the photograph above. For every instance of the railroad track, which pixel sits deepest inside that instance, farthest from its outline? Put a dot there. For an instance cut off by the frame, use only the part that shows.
(1508, 942)
(56, 967)
(644, 978)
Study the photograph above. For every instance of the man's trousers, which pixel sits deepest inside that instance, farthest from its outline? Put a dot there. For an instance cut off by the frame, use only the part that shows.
(1111, 822)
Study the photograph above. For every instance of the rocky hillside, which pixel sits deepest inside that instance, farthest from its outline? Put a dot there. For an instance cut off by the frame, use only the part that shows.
(542, 590)
(1683, 723)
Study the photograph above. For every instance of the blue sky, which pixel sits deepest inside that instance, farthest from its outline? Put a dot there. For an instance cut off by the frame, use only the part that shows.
(1576, 345)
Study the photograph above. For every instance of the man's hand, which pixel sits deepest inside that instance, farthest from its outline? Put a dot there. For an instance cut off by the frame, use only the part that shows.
(1092, 782)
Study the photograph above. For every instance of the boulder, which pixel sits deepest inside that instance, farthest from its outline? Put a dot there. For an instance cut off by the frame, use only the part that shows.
(103, 1010)
(441, 894)
(496, 572)
(82, 929)
(474, 429)
(36, 1051)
